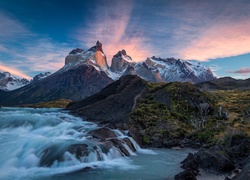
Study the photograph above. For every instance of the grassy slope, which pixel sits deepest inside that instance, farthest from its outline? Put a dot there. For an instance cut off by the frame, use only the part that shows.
(164, 113)
(60, 103)
(236, 102)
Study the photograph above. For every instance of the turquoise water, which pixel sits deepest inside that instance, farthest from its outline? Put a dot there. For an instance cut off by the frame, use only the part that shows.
(26, 133)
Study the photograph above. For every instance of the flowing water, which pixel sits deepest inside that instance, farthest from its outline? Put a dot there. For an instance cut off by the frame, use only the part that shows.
(34, 144)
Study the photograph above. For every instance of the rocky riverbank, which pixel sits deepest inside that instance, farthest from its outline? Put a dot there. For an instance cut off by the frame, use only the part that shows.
(232, 159)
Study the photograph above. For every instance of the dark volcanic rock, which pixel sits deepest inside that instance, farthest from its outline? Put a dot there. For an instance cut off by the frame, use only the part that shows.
(113, 104)
(73, 84)
(214, 161)
(209, 161)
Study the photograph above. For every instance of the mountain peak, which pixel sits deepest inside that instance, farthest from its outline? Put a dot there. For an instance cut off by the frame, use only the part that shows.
(121, 61)
(94, 56)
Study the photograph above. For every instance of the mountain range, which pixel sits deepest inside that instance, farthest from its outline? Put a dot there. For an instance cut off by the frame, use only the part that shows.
(8, 82)
(87, 72)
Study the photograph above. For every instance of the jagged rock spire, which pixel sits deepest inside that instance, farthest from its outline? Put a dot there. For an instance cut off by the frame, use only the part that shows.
(99, 46)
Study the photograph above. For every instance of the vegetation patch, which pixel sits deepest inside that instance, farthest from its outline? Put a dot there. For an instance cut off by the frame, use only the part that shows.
(60, 103)
(169, 111)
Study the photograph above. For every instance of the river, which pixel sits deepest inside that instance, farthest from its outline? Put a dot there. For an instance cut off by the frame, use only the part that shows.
(26, 134)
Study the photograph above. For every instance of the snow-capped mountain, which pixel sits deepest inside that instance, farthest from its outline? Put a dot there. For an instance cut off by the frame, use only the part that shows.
(9, 82)
(152, 69)
(41, 76)
(84, 74)
(171, 70)
(158, 69)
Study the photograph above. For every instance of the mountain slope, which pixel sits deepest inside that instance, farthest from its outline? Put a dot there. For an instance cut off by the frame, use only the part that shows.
(114, 103)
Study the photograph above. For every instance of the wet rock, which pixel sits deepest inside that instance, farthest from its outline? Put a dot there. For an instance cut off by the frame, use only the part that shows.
(130, 144)
(119, 144)
(52, 154)
(102, 133)
(79, 150)
(105, 146)
(135, 134)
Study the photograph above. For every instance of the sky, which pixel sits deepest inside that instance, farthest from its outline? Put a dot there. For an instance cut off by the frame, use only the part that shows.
(36, 36)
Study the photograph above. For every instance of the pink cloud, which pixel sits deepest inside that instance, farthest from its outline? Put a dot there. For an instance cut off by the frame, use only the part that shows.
(110, 29)
(220, 40)
(14, 72)
(243, 70)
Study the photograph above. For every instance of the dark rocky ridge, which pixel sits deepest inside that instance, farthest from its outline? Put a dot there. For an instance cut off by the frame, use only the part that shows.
(113, 104)
(73, 84)
(225, 83)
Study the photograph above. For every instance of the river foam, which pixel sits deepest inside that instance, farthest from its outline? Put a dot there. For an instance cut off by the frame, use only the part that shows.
(29, 137)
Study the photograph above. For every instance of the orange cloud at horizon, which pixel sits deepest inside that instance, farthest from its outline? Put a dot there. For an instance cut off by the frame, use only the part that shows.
(132, 47)
(14, 72)
(218, 41)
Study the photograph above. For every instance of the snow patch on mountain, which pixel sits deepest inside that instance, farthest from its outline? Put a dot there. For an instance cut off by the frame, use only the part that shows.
(41, 76)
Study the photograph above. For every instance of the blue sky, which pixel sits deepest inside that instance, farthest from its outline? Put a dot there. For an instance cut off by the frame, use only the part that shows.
(36, 36)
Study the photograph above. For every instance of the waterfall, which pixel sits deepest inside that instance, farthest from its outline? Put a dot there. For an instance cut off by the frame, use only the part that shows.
(50, 138)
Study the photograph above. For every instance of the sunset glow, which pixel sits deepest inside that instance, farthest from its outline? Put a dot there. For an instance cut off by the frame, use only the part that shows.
(14, 72)
(214, 32)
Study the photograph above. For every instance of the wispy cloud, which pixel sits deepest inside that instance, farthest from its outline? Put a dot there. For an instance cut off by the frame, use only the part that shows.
(244, 71)
(220, 41)
(32, 53)
(11, 28)
(2, 48)
(223, 31)
(110, 26)
(14, 71)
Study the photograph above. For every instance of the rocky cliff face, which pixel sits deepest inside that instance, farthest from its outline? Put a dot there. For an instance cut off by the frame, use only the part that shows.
(93, 56)
(121, 61)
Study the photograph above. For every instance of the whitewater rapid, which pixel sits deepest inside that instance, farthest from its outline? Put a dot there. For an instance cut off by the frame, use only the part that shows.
(29, 137)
